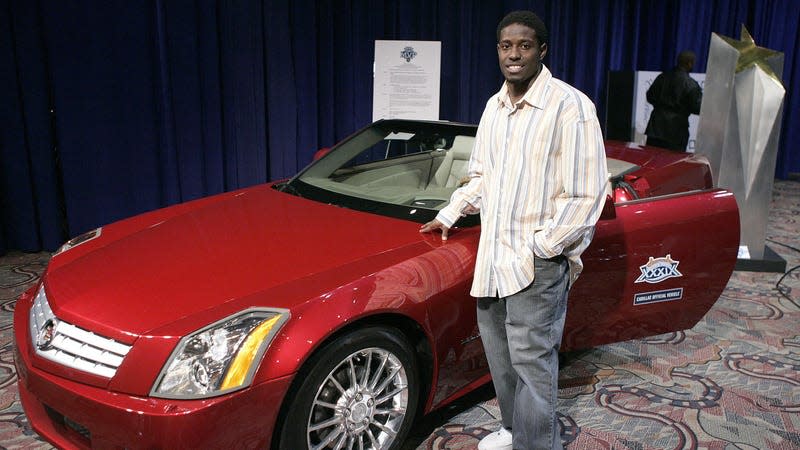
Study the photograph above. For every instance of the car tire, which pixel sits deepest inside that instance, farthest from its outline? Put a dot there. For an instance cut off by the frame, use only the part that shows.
(359, 391)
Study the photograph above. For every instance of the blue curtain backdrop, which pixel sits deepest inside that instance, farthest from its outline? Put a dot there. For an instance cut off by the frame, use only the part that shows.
(112, 108)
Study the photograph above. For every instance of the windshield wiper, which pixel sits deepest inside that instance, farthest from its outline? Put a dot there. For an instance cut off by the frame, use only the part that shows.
(288, 188)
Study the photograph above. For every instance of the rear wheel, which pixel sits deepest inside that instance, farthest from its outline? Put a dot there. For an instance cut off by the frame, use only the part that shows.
(360, 392)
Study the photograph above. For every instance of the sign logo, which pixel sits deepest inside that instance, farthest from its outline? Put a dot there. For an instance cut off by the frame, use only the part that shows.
(408, 54)
(45, 337)
(659, 269)
(644, 298)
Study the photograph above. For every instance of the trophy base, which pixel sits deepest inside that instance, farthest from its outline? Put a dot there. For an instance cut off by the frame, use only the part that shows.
(771, 262)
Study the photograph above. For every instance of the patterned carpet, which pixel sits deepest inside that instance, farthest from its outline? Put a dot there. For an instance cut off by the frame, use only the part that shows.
(731, 382)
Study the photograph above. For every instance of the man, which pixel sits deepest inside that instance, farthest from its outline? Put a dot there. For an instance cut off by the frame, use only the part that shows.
(674, 95)
(538, 176)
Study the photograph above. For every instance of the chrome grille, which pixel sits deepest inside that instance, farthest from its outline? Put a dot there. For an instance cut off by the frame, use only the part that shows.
(72, 346)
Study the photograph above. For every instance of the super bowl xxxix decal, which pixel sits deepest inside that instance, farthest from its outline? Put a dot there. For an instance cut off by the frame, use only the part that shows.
(659, 269)
(655, 271)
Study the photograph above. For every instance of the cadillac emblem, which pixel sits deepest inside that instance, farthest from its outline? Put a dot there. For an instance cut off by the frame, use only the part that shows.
(45, 337)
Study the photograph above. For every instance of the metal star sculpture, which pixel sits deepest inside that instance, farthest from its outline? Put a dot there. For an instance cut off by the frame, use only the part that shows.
(739, 127)
(752, 55)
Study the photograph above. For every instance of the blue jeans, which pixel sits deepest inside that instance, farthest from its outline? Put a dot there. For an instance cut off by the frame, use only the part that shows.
(521, 334)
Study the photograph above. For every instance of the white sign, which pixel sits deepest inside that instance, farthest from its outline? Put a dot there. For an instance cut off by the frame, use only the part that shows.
(406, 80)
(642, 109)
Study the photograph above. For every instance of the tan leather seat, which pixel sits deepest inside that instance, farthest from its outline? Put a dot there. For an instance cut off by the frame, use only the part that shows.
(454, 165)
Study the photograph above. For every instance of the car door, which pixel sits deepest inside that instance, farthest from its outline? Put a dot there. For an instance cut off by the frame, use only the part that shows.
(655, 265)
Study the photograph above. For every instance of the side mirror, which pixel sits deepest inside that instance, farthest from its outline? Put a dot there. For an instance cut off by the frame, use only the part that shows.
(609, 211)
(321, 152)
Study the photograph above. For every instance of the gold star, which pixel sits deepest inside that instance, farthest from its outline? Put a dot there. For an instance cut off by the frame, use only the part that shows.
(752, 55)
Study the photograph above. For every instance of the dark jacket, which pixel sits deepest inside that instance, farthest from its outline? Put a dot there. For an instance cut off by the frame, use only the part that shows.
(674, 95)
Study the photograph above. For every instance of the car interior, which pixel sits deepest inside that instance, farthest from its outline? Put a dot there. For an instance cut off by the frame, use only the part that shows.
(413, 170)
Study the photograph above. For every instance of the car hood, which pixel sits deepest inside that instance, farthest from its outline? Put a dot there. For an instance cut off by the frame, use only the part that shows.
(152, 270)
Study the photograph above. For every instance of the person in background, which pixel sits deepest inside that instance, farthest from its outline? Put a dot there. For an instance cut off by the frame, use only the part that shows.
(674, 96)
(538, 176)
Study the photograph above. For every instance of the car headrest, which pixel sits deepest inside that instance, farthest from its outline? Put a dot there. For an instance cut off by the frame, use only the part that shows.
(462, 147)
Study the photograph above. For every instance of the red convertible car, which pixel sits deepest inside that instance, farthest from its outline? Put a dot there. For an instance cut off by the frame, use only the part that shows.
(311, 313)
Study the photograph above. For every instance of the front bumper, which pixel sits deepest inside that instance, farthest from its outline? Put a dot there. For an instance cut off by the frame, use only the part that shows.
(75, 415)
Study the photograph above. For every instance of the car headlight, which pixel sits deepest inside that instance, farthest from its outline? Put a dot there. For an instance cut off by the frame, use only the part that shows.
(221, 357)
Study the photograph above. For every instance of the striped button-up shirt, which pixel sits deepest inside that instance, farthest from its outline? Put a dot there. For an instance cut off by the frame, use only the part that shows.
(538, 176)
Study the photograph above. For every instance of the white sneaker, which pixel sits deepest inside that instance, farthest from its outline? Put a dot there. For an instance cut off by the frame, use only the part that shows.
(499, 440)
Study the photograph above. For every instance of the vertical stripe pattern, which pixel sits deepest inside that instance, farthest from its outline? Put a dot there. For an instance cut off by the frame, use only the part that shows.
(538, 175)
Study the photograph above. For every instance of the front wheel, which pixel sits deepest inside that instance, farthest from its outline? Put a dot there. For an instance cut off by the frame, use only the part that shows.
(360, 392)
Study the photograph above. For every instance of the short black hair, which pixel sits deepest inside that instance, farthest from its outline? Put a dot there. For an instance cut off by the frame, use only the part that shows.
(527, 18)
(686, 57)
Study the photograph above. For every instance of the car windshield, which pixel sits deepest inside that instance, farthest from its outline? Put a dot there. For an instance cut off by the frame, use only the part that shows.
(404, 169)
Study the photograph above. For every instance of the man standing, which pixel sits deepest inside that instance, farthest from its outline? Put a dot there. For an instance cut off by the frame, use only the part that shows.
(538, 176)
(674, 96)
